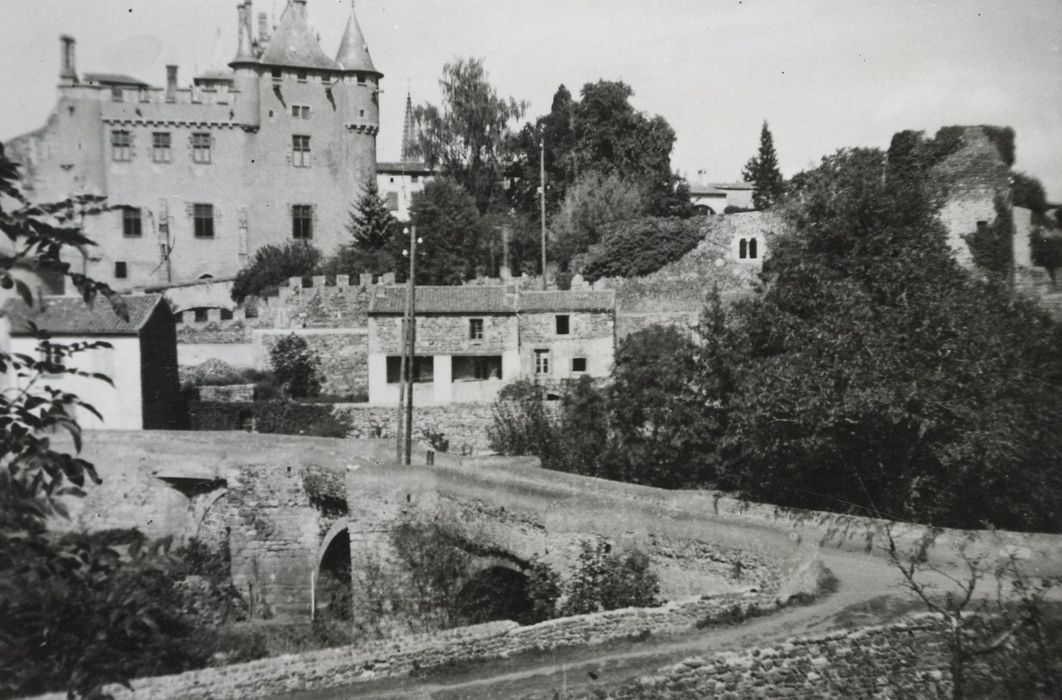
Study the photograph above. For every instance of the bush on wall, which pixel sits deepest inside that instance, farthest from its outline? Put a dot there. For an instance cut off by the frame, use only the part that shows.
(282, 417)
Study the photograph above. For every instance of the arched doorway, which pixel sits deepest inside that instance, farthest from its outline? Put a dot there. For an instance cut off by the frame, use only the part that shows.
(333, 588)
(495, 593)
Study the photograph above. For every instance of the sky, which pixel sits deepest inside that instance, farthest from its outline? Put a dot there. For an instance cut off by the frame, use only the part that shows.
(825, 74)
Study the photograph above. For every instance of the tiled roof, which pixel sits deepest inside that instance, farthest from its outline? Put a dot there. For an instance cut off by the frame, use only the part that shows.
(72, 316)
(707, 190)
(731, 185)
(113, 79)
(445, 300)
(532, 302)
(408, 166)
(294, 43)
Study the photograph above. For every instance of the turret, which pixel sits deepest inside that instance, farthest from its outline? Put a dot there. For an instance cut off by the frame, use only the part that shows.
(68, 68)
(245, 68)
(360, 108)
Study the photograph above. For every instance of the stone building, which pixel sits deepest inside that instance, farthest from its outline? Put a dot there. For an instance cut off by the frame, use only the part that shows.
(471, 341)
(273, 148)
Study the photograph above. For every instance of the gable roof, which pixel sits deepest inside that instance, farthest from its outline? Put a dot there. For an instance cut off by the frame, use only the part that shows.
(72, 316)
(445, 300)
(573, 300)
(294, 43)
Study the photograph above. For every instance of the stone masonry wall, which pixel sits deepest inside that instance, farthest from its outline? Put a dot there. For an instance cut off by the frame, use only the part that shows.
(447, 335)
(464, 425)
(862, 663)
(342, 666)
(343, 356)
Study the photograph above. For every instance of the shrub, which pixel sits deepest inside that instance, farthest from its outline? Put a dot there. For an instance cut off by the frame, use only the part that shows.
(282, 417)
(274, 265)
(295, 366)
(606, 581)
(642, 246)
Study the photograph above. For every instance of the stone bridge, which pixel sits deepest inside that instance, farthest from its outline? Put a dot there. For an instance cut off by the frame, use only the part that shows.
(293, 511)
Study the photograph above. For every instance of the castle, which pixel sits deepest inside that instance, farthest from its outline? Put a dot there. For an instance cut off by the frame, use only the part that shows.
(275, 148)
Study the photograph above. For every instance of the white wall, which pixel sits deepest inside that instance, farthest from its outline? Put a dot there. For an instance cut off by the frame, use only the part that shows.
(121, 405)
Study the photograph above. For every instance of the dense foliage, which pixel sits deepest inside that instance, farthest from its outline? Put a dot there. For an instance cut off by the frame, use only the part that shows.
(453, 249)
(376, 243)
(295, 366)
(603, 580)
(873, 375)
(272, 266)
(642, 246)
(762, 171)
(282, 417)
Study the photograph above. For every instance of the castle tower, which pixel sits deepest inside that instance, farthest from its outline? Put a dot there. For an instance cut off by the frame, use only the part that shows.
(358, 93)
(245, 70)
(408, 134)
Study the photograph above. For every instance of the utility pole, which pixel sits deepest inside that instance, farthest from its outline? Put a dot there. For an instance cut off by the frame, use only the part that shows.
(411, 309)
(542, 190)
(399, 431)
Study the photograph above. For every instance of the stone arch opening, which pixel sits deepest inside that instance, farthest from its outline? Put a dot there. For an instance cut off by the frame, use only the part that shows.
(496, 593)
(333, 589)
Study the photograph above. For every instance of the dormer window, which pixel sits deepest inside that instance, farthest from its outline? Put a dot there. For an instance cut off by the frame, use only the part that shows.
(301, 76)
(361, 78)
(278, 75)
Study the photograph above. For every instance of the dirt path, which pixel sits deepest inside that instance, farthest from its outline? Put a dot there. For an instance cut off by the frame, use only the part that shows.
(862, 579)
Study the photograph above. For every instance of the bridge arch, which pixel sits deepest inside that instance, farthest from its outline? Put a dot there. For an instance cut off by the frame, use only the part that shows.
(498, 589)
(333, 584)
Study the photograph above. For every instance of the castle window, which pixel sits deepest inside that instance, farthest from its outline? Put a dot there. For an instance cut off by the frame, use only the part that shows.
(132, 223)
(414, 178)
(302, 222)
(301, 76)
(201, 148)
(475, 329)
(160, 147)
(361, 78)
(300, 111)
(300, 151)
(391, 199)
(277, 75)
(120, 270)
(203, 217)
(563, 324)
(116, 94)
(121, 146)
(201, 316)
(578, 364)
(361, 112)
(541, 361)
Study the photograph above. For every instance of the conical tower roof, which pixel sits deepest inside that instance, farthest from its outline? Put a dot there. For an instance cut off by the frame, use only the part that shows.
(244, 49)
(294, 44)
(353, 54)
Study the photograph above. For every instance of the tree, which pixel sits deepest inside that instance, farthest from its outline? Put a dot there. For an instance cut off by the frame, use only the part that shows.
(295, 366)
(446, 218)
(71, 611)
(272, 266)
(377, 241)
(762, 171)
(468, 136)
(594, 205)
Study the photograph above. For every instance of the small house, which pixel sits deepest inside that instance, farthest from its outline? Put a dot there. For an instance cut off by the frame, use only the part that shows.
(141, 360)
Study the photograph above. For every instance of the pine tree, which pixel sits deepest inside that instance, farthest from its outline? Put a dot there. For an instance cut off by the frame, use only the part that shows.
(371, 222)
(762, 171)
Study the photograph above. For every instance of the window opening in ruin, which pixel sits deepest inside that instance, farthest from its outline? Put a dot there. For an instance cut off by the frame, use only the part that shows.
(743, 249)
(541, 361)
(132, 223)
(120, 271)
(200, 148)
(562, 324)
(121, 146)
(160, 147)
(203, 216)
(472, 368)
(752, 248)
(226, 314)
(475, 329)
(302, 222)
(300, 151)
(423, 369)
(578, 364)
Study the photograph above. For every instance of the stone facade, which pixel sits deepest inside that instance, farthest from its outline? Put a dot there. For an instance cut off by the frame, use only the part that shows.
(275, 146)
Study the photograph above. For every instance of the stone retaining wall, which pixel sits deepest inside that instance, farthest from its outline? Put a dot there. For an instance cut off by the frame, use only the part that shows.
(332, 668)
(463, 425)
(863, 663)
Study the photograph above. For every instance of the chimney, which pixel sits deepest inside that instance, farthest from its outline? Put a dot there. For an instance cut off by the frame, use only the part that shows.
(68, 70)
(263, 28)
(171, 83)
